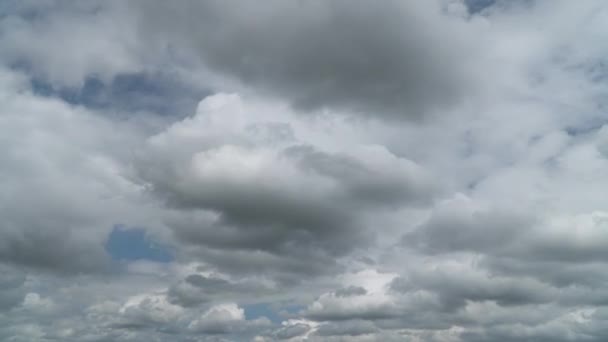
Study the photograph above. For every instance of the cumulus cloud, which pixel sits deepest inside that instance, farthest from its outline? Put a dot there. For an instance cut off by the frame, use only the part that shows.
(62, 184)
(241, 177)
(218, 319)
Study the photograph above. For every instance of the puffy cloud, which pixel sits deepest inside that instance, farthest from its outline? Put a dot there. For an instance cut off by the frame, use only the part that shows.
(240, 177)
(218, 319)
(63, 185)
(369, 303)
(150, 309)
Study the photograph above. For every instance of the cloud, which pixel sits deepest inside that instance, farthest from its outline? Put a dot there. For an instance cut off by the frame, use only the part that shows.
(390, 59)
(349, 328)
(239, 181)
(35, 36)
(456, 225)
(11, 283)
(344, 171)
(62, 185)
(218, 319)
(198, 288)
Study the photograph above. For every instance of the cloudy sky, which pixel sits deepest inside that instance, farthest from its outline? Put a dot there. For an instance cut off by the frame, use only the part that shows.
(342, 170)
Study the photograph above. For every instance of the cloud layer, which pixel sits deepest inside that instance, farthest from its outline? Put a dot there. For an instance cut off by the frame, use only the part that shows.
(303, 171)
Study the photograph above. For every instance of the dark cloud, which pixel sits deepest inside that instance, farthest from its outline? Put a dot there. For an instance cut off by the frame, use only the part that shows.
(196, 289)
(52, 247)
(455, 289)
(374, 178)
(287, 267)
(456, 226)
(11, 287)
(376, 59)
(348, 328)
(556, 273)
(350, 291)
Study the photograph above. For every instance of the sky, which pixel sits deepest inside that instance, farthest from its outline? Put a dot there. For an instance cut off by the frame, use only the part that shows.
(288, 170)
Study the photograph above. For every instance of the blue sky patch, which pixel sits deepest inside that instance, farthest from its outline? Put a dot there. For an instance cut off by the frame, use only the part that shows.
(476, 6)
(130, 244)
(270, 311)
(254, 311)
(157, 93)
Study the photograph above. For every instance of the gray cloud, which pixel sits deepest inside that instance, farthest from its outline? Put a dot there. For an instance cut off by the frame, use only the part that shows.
(196, 289)
(62, 184)
(387, 171)
(348, 328)
(11, 285)
(351, 291)
(456, 226)
(386, 59)
(268, 198)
